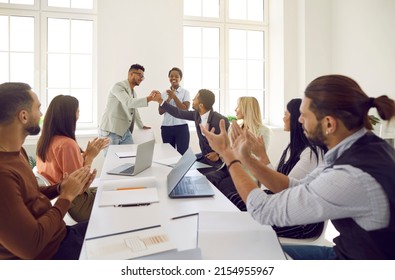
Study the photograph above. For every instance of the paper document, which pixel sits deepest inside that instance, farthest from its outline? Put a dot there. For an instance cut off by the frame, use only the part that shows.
(171, 161)
(126, 154)
(129, 197)
(236, 236)
(129, 245)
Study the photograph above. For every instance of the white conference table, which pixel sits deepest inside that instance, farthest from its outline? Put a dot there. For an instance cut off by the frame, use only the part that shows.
(182, 232)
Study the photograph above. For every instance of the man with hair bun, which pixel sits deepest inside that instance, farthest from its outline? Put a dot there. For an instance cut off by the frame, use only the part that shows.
(354, 187)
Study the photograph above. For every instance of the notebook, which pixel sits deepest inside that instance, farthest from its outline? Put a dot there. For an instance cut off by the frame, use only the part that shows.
(179, 186)
(144, 155)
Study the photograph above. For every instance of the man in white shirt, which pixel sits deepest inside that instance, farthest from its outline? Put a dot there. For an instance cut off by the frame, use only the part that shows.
(354, 187)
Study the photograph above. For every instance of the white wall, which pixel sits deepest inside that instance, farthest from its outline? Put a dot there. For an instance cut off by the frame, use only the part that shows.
(363, 43)
(144, 32)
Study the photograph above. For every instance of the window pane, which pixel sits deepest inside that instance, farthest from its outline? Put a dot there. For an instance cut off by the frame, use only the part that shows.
(22, 34)
(81, 36)
(59, 3)
(192, 41)
(210, 74)
(238, 9)
(82, 4)
(210, 42)
(81, 71)
(58, 70)
(52, 93)
(58, 35)
(4, 35)
(192, 7)
(234, 95)
(23, 2)
(255, 74)
(237, 74)
(255, 45)
(22, 68)
(255, 10)
(210, 8)
(217, 100)
(4, 71)
(85, 100)
(237, 43)
(193, 73)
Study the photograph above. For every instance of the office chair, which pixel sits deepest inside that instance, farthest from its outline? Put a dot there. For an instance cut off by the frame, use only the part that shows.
(318, 240)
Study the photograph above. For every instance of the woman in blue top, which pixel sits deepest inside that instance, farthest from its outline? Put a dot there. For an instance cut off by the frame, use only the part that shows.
(175, 131)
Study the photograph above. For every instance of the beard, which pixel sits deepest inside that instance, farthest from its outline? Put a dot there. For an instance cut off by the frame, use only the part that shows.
(32, 129)
(317, 137)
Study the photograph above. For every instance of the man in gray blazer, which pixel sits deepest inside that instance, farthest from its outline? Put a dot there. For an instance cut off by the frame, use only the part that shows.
(121, 112)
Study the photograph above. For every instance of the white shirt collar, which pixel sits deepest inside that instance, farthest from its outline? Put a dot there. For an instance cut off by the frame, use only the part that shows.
(204, 117)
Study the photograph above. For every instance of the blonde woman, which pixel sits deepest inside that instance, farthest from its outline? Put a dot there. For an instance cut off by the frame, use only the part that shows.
(248, 114)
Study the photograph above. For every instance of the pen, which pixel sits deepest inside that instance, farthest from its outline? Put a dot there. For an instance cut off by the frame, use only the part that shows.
(131, 188)
(132, 205)
(184, 216)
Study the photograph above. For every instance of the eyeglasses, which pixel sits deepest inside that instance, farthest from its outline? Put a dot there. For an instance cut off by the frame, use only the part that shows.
(139, 74)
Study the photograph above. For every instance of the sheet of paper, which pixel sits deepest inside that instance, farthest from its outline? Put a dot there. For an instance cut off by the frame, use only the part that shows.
(126, 154)
(129, 245)
(171, 161)
(235, 235)
(191, 254)
(128, 197)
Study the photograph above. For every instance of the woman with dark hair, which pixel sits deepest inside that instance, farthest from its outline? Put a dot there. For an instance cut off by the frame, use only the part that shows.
(58, 152)
(174, 130)
(298, 159)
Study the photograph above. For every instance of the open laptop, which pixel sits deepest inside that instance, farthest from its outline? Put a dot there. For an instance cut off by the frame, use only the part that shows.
(144, 155)
(179, 186)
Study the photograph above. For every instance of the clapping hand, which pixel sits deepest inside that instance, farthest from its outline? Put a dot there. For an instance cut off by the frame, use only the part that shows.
(218, 142)
(93, 149)
(171, 94)
(76, 183)
(247, 144)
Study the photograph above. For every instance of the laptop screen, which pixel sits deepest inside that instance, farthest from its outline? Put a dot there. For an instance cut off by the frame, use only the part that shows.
(181, 168)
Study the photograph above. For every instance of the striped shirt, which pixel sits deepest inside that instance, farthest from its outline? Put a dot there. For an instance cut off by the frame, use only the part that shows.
(329, 192)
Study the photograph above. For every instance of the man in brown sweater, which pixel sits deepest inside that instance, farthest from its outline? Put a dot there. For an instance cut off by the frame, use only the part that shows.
(30, 227)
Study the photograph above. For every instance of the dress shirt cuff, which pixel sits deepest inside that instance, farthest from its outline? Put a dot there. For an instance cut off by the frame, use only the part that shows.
(255, 199)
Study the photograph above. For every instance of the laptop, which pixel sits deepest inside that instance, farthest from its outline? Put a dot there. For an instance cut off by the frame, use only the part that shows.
(144, 155)
(179, 186)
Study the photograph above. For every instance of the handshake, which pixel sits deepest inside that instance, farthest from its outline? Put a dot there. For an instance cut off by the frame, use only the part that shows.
(155, 95)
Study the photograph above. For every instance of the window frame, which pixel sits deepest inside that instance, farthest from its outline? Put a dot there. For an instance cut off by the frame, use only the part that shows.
(224, 23)
(44, 63)
(40, 11)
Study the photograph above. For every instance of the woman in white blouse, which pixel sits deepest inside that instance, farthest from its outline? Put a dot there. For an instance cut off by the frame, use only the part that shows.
(173, 130)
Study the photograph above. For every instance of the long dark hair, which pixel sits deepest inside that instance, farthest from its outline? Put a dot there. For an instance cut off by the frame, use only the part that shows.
(60, 119)
(298, 140)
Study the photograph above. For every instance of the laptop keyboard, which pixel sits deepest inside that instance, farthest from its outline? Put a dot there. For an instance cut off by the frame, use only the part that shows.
(129, 170)
(184, 187)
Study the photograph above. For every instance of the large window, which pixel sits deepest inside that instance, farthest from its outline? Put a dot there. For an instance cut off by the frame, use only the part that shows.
(224, 50)
(51, 46)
